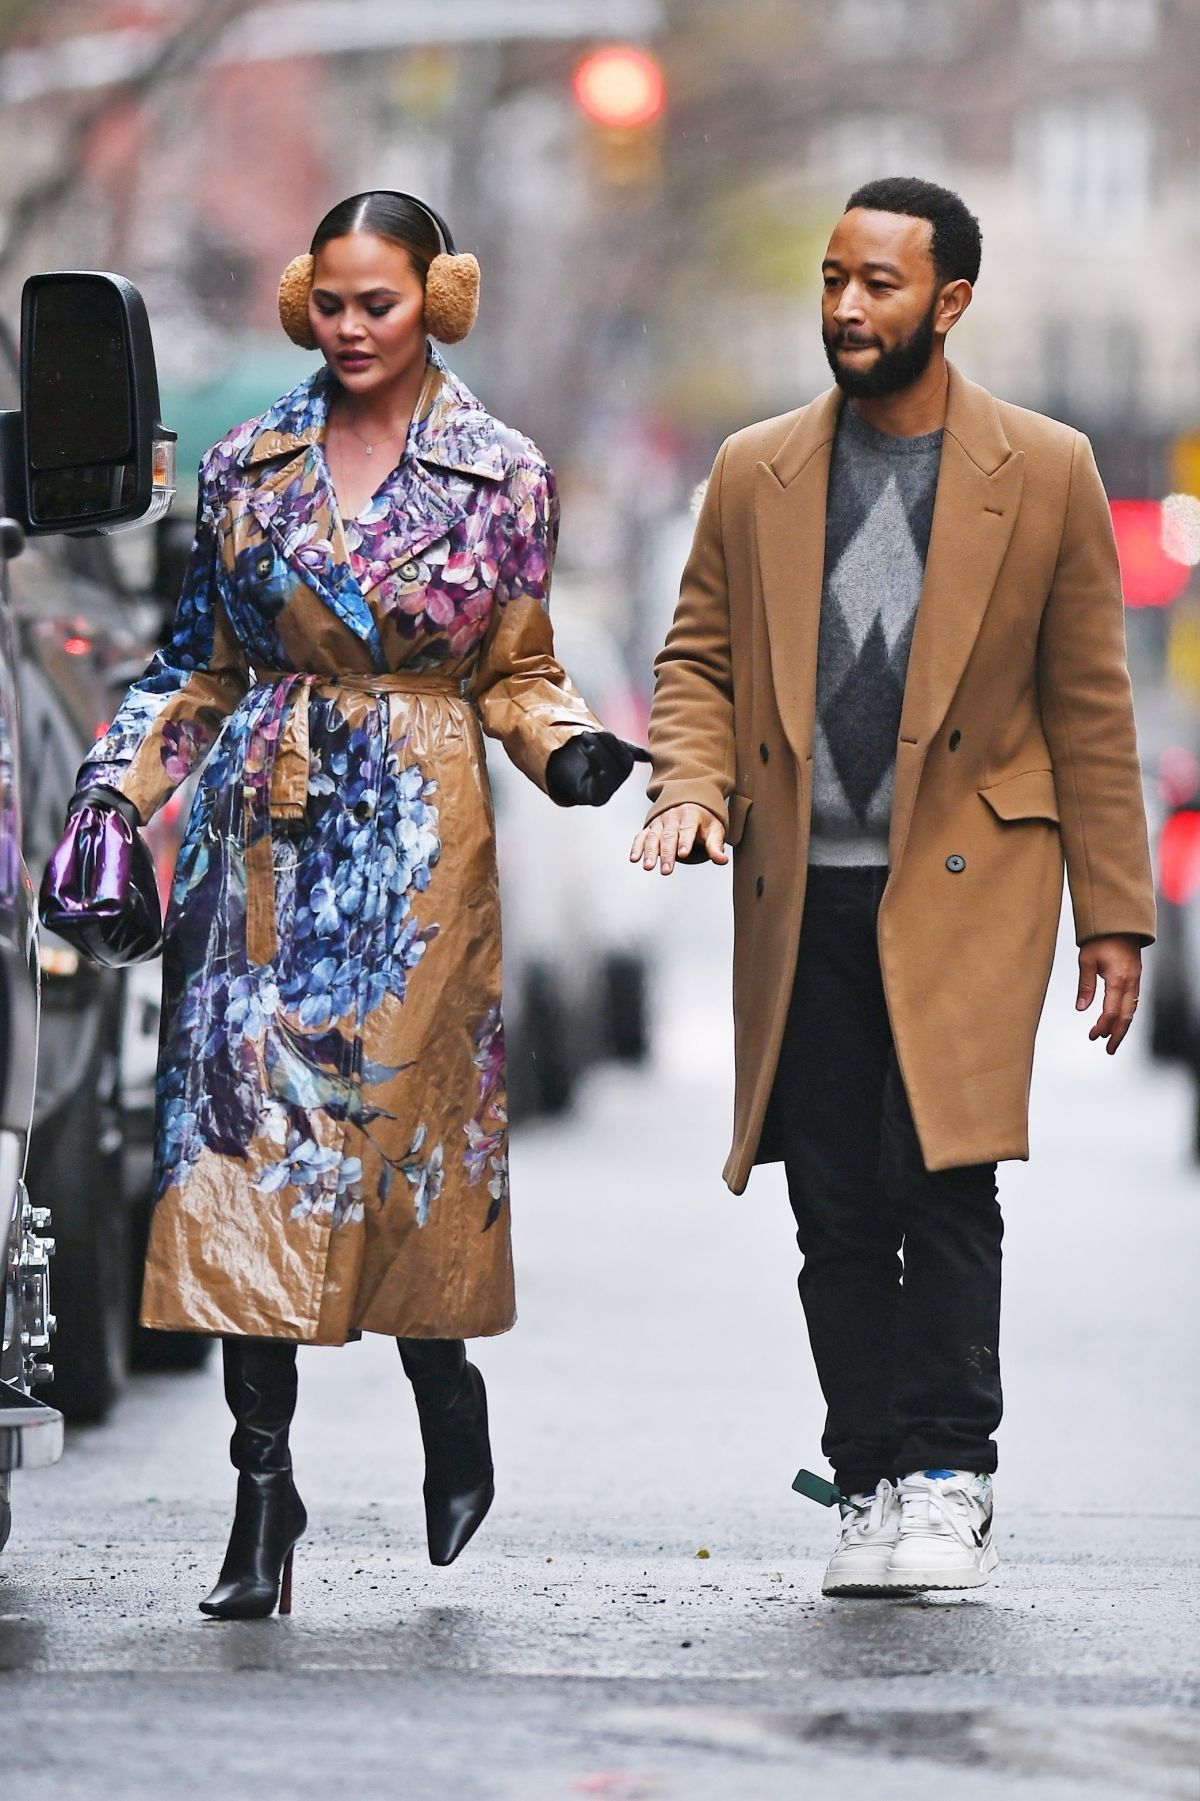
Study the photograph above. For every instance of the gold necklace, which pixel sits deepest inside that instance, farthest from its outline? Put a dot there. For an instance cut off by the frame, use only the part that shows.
(426, 388)
(370, 448)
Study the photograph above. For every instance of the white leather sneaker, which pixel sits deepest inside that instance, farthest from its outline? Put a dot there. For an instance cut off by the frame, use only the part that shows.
(945, 1537)
(870, 1524)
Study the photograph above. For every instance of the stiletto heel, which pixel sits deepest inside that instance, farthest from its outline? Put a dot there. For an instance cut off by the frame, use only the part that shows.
(256, 1577)
(285, 1588)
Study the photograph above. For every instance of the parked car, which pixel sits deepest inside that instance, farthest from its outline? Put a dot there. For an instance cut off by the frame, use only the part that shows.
(1174, 970)
(578, 927)
(1174, 997)
(80, 638)
(84, 452)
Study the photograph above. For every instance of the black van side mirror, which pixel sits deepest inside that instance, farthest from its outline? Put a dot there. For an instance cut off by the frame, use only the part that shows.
(94, 452)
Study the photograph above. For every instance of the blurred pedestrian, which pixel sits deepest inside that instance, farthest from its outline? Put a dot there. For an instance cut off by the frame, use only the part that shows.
(368, 586)
(896, 684)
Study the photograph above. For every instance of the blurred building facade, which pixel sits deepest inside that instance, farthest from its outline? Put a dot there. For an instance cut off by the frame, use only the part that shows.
(644, 293)
(1070, 128)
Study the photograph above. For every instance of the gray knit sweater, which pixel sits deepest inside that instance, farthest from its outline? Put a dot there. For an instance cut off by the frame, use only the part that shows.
(878, 516)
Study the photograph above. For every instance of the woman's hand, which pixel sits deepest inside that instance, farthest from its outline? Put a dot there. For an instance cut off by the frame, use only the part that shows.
(588, 769)
(686, 834)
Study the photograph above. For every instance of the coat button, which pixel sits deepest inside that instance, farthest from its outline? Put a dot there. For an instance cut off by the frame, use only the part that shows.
(956, 864)
(759, 886)
(363, 810)
(409, 571)
(764, 753)
(955, 740)
(263, 564)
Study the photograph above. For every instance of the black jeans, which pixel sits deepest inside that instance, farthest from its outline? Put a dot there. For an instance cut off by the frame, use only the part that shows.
(907, 1353)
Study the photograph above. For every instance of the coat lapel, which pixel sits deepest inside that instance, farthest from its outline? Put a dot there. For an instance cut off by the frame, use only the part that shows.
(293, 502)
(289, 492)
(419, 508)
(789, 519)
(453, 442)
(978, 494)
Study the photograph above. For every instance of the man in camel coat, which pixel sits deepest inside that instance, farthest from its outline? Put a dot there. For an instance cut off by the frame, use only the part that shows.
(896, 686)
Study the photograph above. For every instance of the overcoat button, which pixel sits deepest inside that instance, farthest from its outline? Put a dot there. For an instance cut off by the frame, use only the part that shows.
(956, 865)
(409, 572)
(759, 886)
(955, 740)
(763, 752)
(262, 567)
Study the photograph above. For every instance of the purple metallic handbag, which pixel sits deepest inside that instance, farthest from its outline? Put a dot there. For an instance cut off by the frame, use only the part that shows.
(99, 892)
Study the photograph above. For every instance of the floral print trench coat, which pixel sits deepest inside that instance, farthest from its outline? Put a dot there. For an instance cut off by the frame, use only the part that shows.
(331, 1135)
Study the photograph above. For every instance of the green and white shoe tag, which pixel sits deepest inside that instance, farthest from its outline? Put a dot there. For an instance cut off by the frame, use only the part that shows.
(815, 1488)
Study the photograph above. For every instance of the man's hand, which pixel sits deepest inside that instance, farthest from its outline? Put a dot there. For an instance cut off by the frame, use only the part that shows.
(1117, 960)
(672, 836)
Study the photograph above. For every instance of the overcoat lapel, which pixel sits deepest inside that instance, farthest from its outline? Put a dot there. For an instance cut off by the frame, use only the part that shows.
(975, 510)
(789, 519)
(423, 505)
(293, 502)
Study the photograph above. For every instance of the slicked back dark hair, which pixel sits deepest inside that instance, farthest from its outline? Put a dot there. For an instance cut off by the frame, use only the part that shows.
(957, 240)
(387, 215)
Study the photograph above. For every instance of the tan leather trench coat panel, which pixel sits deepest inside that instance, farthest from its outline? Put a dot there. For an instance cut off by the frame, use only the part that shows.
(1016, 752)
(331, 1129)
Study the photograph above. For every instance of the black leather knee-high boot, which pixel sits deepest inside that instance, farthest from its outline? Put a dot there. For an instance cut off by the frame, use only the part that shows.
(452, 1409)
(260, 1387)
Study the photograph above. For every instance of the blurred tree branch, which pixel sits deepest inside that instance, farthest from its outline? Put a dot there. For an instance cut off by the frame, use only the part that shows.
(176, 55)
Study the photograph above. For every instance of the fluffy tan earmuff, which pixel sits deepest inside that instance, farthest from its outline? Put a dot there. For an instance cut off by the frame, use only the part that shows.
(451, 299)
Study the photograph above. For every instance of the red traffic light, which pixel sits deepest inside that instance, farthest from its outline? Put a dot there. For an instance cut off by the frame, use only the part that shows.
(1150, 576)
(620, 87)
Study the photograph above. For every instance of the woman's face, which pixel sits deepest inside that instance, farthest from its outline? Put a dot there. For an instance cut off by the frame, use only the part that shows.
(367, 311)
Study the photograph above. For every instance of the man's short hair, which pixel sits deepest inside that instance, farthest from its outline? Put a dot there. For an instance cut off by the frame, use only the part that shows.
(957, 240)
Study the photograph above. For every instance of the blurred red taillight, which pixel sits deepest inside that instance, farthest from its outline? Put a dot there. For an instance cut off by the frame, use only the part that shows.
(1178, 776)
(164, 834)
(1179, 858)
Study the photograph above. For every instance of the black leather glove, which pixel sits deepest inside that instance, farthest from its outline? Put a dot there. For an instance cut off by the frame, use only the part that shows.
(100, 796)
(588, 769)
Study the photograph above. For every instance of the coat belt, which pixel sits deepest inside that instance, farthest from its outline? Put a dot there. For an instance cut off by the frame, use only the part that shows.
(287, 778)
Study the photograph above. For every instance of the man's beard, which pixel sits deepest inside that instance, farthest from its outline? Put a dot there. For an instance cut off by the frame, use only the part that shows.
(892, 369)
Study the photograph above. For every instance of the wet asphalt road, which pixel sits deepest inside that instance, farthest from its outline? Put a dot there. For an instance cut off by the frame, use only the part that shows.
(654, 1404)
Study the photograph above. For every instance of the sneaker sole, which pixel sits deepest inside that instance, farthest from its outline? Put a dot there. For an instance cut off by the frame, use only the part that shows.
(944, 1579)
(849, 1590)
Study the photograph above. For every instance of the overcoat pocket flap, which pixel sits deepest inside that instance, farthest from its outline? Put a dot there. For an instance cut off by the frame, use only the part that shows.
(739, 808)
(1029, 795)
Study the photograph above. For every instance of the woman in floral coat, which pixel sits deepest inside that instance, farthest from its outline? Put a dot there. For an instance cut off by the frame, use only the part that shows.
(368, 587)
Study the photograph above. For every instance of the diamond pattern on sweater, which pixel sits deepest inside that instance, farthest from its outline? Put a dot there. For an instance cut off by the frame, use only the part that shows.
(878, 519)
(861, 720)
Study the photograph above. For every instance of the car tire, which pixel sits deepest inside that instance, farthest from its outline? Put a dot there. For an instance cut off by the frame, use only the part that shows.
(550, 1062)
(152, 1350)
(626, 1007)
(1168, 1030)
(75, 1169)
(170, 1350)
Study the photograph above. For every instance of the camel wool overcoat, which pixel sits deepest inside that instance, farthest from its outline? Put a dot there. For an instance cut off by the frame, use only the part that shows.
(1016, 752)
(331, 1128)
